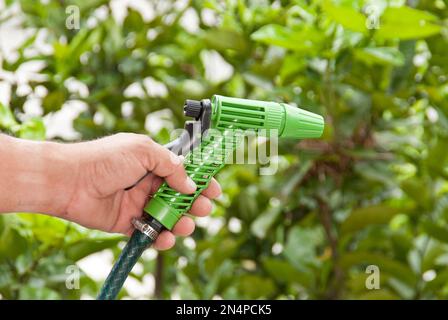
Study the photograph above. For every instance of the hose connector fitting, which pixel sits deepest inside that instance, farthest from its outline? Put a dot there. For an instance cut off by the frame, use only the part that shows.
(149, 227)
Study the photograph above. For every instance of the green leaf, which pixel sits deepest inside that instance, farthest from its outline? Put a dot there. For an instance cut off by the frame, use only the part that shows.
(226, 268)
(253, 286)
(284, 272)
(406, 291)
(346, 16)
(305, 40)
(109, 118)
(293, 180)
(406, 14)
(437, 158)
(407, 23)
(222, 39)
(263, 223)
(53, 101)
(380, 55)
(225, 250)
(438, 283)
(40, 224)
(436, 231)
(363, 217)
(12, 243)
(83, 248)
(418, 190)
(133, 21)
(300, 249)
(29, 292)
(6, 276)
(85, 6)
(84, 40)
(7, 120)
(32, 129)
(187, 290)
(292, 65)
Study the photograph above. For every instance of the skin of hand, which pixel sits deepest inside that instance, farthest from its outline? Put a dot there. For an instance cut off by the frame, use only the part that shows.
(85, 182)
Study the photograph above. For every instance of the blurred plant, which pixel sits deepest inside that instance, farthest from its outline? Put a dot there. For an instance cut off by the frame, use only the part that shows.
(373, 191)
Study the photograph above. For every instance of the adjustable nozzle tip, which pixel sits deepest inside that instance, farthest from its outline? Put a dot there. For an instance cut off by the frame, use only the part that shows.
(302, 124)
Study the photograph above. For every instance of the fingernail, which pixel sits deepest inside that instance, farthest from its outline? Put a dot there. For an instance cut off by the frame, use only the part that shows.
(191, 183)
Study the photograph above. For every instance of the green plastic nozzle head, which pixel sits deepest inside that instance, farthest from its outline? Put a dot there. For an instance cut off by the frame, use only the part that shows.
(245, 114)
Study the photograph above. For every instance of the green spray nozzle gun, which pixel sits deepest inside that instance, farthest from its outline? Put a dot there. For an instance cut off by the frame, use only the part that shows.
(219, 126)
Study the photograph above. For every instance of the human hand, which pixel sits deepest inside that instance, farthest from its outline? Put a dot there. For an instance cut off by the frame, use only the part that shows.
(85, 182)
(107, 166)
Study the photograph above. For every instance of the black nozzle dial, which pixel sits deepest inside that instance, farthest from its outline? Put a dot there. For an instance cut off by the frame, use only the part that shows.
(193, 108)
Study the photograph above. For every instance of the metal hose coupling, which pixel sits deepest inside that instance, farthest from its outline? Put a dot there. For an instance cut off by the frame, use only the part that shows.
(149, 227)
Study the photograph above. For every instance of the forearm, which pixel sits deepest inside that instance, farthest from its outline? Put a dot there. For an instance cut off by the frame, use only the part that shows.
(35, 176)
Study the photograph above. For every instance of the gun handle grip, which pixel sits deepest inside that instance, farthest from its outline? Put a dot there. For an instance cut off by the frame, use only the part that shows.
(202, 164)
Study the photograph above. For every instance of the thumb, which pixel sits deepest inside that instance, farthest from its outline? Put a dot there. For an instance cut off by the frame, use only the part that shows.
(164, 163)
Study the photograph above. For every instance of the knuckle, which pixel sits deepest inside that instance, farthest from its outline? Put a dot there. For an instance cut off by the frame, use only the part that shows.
(133, 137)
(142, 139)
(123, 135)
(142, 143)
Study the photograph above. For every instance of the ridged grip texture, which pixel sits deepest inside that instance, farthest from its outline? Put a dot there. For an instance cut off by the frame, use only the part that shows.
(247, 114)
(168, 205)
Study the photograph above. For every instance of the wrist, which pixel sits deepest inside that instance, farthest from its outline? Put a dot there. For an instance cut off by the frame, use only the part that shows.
(59, 169)
(39, 177)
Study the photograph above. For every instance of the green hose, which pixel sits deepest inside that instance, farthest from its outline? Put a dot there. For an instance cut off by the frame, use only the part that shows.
(138, 243)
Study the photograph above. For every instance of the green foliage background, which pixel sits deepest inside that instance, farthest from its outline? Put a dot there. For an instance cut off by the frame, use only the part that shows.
(374, 190)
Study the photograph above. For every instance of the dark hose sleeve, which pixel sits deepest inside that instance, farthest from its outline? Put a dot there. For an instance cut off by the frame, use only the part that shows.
(128, 258)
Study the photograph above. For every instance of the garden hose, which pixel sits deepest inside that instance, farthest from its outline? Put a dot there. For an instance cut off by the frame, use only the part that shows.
(133, 250)
(219, 127)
